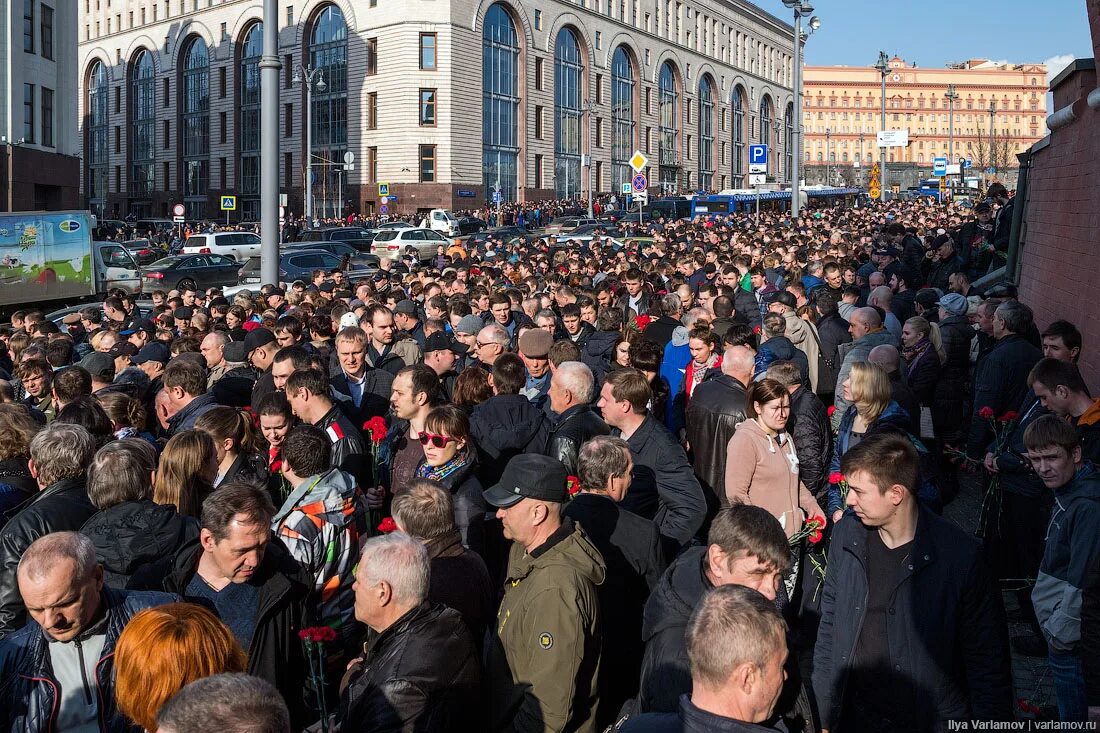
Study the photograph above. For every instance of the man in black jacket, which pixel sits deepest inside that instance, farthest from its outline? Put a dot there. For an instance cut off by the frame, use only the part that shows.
(420, 671)
(712, 416)
(251, 582)
(307, 391)
(59, 455)
(507, 424)
(576, 330)
(660, 330)
(912, 630)
(808, 425)
(946, 263)
(573, 421)
(635, 561)
(363, 391)
(665, 488)
(833, 331)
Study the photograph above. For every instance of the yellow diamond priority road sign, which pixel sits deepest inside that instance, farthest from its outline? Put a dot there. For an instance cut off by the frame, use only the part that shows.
(638, 161)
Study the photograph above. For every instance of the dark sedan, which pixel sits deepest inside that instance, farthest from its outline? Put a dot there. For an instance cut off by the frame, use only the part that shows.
(199, 271)
(470, 225)
(144, 251)
(503, 234)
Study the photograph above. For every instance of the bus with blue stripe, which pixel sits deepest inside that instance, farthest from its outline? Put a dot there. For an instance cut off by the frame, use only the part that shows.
(735, 201)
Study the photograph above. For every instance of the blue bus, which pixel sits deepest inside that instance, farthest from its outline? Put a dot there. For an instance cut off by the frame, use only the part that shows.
(744, 200)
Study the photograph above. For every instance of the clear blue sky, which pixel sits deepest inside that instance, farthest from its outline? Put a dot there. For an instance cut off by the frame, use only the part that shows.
(935, 32)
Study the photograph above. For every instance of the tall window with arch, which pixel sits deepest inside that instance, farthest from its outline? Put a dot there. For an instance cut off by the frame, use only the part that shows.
(622, 117)
(568, 72)
(248, 132)
(143, 117)
(195, 107)
(667, 131)
(766, 125)
(328, 52)
(706, 133)
(500, 102)
(737, 104)
(96, 130)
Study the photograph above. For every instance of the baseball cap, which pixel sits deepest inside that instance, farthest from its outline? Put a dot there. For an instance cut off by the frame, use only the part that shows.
(983, 207)
(256, 338)
(786, 298)
(183, 313)
(348, 320)
(155, 351)
(327, 286)
(143, 325)
(440, 341)
(98, 363)
(406, 307)
(234, 351)
(885, 251)
(470, 325)
(123, 348)
(954, 304)
(529, 476)
(535, 343)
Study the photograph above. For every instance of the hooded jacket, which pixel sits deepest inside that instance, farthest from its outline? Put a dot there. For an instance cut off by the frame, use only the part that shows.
(420, 674)
(505, 426)
(780, 348)
(762, 470)
(832, 331)
(136, 540)
(805, 338)
(951, 394)
(543, 653)
(321, 523)
(808, 425)
(469, 504)
(1072, 544)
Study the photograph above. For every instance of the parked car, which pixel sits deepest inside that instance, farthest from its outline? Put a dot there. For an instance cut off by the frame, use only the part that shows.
(605, 228)
(334, 234)
(299, 264)
(394, 225)
(199, 271)
(149, 227)
(395, 243)
(470, 224)
(145, 251)
(352, 248)
(503, 233)
(236, 245)
(563, 224)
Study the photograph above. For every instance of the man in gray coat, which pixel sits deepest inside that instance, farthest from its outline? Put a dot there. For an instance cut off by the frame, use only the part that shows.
(867, 333)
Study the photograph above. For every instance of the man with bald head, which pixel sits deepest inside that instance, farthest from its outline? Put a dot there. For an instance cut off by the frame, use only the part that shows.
(889, 358)
(716, 407)
(867, 333)
(883, 297)
(213, 350)
(68, 645)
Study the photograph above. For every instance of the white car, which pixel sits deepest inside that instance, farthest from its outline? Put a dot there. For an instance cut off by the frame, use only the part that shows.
(393, 244)
(238, 245)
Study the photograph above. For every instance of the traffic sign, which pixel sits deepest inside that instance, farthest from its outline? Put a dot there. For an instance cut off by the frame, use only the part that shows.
(968, 164)
(349, 157)
(640, 197)
(384, 209)
(178, 210)
(893, 138)
(229, 203)
(939, 166)
(626, 188)
(497, 197)
(638, 161)
(758, 155)
(639, 182)
(177, 219)
(383, 189)
(282, 212)
(953, 169)
(758, 179)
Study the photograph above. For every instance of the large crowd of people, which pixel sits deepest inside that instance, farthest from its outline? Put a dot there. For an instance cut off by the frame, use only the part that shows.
(693, 482)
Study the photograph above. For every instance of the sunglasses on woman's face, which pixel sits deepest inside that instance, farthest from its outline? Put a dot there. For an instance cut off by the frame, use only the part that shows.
(439, 441)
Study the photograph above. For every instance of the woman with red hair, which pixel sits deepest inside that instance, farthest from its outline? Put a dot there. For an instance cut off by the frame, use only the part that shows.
(164, 648)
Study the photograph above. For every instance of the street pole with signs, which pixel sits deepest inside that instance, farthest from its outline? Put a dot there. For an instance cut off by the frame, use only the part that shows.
(883, 67)
(269, 146)
(951, 96)
(801, 8)
(307, 75)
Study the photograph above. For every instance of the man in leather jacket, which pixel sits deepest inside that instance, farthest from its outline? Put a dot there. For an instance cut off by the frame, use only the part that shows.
(58, 457)
(67, 644)
(420, 671)
(307, 390)
(575, 422)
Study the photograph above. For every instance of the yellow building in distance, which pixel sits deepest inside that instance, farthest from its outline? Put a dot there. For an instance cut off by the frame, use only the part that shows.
(842, 107)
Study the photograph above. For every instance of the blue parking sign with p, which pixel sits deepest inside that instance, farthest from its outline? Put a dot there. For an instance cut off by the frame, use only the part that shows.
(758, 154)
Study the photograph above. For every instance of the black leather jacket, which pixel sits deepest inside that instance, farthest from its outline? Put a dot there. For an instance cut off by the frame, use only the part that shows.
(572, 428)
(61, 507)
(349, 450)
(716, 407)
(29, 693)
(420, 674)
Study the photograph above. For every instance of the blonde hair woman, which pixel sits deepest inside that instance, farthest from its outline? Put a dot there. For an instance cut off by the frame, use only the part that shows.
(872, 411)
(922, 350)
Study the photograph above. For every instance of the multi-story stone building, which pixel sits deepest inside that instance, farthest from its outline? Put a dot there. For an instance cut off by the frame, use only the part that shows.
(443, 101)
(39, 167)
(843, 107)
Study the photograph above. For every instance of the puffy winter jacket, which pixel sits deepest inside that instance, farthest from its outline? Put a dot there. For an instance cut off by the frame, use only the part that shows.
(1000, 383)
(808, 425)
(950, 410)
(505, 426)
(136, 540)
(598, 352)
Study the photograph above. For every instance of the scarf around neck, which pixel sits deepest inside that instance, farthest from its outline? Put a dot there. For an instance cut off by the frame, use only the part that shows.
(438, 473)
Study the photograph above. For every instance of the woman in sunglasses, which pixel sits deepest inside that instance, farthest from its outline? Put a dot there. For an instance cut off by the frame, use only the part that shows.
(450, 458)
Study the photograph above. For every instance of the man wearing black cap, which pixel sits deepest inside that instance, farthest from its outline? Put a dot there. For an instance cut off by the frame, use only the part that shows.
(406, 316)
(260, 347)
(543, 653)
(945, 262)
(974, 241)
(443, 355)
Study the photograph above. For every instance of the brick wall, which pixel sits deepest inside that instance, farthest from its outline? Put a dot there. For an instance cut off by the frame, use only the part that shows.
(1059, 266)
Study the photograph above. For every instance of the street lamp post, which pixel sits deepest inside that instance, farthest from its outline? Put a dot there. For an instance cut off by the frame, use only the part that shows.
(586, 110)
(269, 146)
(308, 75)
(883, 67)
(801, 8)
(827, 158)
(992, 119)
(951, 96)
(861, 160)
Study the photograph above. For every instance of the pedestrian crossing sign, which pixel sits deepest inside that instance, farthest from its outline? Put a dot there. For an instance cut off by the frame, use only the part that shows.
(229, 203)
(383, 189)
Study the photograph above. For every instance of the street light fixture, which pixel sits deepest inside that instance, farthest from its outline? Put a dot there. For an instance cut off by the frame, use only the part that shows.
(801, 9)
(827, 158)
(883, 66)
(951, 96)
(313, 78)
(992, 155)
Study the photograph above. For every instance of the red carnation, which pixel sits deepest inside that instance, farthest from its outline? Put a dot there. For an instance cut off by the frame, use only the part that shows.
(756, 330)
(572, 484)
(815, 536)
(836, 477)
(317, 634)
(831, 410)
(641, 322)
(1009, 416)
(387, 525)
(377, 429)
(986, 413)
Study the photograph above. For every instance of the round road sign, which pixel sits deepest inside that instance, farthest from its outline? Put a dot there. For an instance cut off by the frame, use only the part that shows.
(639, 182)
(178, 209)
(385, 209)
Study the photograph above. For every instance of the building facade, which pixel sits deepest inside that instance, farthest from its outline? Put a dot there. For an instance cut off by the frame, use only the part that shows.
(843, 107)
(39, 167)
(444, 101)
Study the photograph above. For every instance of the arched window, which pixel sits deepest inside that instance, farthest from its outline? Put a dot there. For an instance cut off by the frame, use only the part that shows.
(622, 117)
(328, 52)
(568, 70)
(766, 123)
(195, 107)
(248, 135)
(500, 102)
(143, 117)
(667, 132)
(95, 150)
(737, 102)
(706, 134)
(788, 119)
